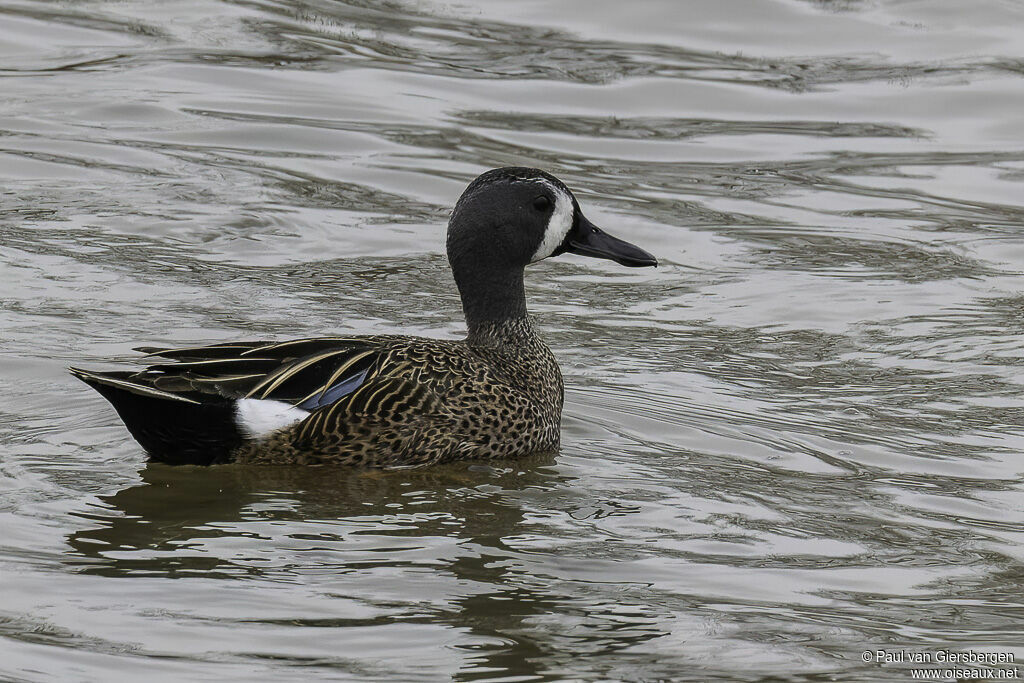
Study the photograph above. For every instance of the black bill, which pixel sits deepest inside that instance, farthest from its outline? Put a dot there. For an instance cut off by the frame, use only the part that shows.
(586, 239)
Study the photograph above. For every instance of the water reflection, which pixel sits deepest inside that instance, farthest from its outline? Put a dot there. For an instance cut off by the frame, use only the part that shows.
(461, 521)
(176, 505)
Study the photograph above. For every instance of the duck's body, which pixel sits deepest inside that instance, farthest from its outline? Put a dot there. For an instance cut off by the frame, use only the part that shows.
(408, 401)
(384, 400)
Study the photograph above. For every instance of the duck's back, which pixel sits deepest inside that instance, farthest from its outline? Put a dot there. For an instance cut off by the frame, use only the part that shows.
(362, 400)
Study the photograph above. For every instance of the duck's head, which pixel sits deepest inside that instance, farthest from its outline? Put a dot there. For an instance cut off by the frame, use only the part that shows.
(509, 218)
(518, 216)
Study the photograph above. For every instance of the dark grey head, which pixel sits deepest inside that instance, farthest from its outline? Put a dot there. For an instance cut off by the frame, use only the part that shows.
(508, 218)
(522, 215)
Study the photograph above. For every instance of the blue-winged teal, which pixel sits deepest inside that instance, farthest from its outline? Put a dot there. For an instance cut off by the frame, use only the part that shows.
(385, 400)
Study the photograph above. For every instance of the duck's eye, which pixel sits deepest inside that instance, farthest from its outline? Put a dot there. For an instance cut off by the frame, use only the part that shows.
(542, 203)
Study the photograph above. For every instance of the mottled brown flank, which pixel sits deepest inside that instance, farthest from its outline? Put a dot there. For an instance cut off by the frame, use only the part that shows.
(497, 394)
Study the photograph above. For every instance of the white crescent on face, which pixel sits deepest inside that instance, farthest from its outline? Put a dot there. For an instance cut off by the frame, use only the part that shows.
(558, 226)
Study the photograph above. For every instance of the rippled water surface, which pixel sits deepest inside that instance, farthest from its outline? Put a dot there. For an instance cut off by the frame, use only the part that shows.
(801, 438)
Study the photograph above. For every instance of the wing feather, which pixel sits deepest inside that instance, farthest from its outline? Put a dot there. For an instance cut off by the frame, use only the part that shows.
(314, 372)
(340, 374)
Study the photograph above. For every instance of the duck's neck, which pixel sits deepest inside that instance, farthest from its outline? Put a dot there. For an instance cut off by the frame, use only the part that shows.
(494, 302)
(516, 333)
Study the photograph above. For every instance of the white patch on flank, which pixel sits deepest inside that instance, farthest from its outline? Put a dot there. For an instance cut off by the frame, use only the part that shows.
(558, 225)
(257, 417)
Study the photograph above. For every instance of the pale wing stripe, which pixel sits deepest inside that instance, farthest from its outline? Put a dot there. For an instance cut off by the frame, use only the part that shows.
(139, 388)
(224, 378)
(337, 373)
(199, 363)
(372, 398)
(384, 393)
(310, 424)
(186, 349)
(275, 380)
(293, 342)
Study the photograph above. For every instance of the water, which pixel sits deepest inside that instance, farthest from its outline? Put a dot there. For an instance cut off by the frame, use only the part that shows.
(797, 440)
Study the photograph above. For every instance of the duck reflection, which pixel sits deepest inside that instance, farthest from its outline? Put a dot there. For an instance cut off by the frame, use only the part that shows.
(192, 522)
(176, 508)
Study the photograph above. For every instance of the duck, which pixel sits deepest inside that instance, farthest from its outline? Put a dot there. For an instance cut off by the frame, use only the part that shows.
(385, 401)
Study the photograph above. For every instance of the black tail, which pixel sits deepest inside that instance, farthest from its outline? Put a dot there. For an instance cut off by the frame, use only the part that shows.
(175, 429)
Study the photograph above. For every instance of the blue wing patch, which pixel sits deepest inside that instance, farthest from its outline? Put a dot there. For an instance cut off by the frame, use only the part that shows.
(332, 394)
